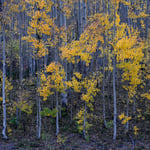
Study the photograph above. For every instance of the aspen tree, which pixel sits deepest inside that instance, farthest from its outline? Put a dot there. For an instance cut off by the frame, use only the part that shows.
(39, 26)
(4, 73)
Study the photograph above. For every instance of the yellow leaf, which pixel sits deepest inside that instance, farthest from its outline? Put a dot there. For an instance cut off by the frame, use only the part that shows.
(121, 116)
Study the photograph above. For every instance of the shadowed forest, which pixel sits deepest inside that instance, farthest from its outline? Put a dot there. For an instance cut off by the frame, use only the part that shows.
(74, 75)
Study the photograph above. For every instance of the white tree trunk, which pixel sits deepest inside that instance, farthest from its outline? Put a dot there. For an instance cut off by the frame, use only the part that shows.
(114, 82)
(3, 88)
(38, 120)
(115, 105)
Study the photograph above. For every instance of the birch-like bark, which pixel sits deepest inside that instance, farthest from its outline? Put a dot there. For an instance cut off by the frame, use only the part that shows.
(3, 88)
(38, 120)
(114, 82)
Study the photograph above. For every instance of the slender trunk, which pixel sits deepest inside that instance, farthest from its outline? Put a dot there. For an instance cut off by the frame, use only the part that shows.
(38, 121)
(94, 7)
(79, 19)
(39, 104)
(11, 59)
(134, 105)
(38, 85)
(88, 8)
(104, 112)
(30, 62)
(127, 125)
(127, 113)
(84, 22)
(71, 115)
(84, 122)
(60, 21)
(109, 72)
(104, 115)
(97, 6)
(108, 6)
(103, 6)
(20, 62)
(83, 15)
(37, 117)
(64, 99)
(30, 54)
(33, 64)
(20, 53)
(3, 88)
(147, 20)
(39, 113)
(114, 82)
(57, 115)
(56, 60)
(114, 93)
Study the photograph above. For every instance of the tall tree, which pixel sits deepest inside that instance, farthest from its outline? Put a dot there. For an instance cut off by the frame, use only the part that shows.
(4, 74)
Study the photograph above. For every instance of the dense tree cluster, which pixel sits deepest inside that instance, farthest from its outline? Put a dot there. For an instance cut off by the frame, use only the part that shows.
(89, 59)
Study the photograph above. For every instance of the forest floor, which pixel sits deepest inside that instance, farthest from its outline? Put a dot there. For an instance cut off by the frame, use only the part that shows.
(98, 138)
(73, 141)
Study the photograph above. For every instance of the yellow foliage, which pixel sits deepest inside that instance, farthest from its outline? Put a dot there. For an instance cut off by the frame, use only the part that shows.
(87, 44)
(8, 86)
(147, 95)
(76, 85)
(121, 116)
(135, 130)
(78, 75)
(9, 130)
(55, 80)
(25, 106)
(80, 119)
(129, 55)
(125, 120)
(85, 97)
(61, 139)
